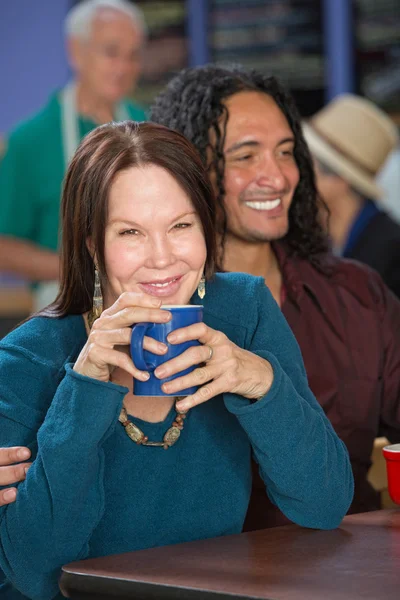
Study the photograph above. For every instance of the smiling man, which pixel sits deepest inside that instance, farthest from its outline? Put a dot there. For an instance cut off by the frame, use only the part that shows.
(345, 319)
(263, 176)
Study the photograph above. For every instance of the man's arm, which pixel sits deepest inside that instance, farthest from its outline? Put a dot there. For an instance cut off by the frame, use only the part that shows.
(28, 260)
(20, 214)
(390, 397)
(12, 471)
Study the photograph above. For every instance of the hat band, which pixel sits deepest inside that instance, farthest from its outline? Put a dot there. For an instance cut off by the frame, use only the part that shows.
(343, 153)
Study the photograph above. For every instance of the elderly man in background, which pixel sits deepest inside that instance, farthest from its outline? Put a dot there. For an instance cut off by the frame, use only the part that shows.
(350, 140)
(104, 40)
(346, 321)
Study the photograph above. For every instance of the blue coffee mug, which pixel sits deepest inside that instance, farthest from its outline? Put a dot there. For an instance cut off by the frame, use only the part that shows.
(182, 316)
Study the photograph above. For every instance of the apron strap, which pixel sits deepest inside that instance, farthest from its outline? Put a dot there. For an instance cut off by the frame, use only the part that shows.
(70, 124)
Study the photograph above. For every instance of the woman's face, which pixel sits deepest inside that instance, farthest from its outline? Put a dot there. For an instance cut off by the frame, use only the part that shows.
(154, 241)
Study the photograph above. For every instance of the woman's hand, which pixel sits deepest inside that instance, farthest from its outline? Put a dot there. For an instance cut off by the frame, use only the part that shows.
(108, 343)
(227, 367)
(11, 472)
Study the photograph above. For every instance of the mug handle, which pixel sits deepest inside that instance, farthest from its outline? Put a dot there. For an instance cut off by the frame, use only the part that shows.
(138, 333)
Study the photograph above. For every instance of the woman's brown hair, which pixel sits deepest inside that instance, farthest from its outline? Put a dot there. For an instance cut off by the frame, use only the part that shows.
(102, 154)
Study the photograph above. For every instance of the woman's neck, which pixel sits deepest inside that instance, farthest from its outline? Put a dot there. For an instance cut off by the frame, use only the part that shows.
(153, 409)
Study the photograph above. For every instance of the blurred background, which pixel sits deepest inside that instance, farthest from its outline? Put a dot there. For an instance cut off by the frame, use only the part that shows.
(318, 48)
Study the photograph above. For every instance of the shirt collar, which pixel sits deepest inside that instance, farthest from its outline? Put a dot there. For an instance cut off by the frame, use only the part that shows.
(291, 279)
(299, 277)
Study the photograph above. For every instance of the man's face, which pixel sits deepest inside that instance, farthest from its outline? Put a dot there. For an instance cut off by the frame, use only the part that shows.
(261, 173)
(109, 61)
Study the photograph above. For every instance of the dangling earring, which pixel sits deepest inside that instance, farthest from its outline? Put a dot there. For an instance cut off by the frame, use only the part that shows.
(201, 288)
(97, 307)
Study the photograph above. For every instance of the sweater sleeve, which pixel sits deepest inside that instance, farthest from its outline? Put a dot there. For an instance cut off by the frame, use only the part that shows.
(62, 499)
(303, 463)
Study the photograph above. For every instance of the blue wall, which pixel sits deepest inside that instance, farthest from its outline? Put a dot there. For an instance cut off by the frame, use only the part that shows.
(338, 42)
(32, 56)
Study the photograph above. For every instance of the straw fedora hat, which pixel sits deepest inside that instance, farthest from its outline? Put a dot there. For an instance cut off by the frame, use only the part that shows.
(353, 137)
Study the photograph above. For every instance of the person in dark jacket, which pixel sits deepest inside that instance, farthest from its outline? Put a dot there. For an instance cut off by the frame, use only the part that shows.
(346, 321)
(350, 140)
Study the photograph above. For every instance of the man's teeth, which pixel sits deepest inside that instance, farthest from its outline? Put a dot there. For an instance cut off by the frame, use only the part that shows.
(266, 205)
(161, 285)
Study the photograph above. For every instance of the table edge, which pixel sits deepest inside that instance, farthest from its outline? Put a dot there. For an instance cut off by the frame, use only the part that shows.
(85, 583)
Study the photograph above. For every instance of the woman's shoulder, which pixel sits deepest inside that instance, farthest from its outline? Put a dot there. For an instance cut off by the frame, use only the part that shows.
(241, 283)
(47, 340)
(236, 296)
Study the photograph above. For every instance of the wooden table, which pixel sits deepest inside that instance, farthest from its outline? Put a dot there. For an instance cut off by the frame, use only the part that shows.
(360, 559)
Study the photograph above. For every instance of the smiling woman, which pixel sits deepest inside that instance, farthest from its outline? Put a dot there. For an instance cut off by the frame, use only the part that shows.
(154, 239)
(138, 237)
(126, 193)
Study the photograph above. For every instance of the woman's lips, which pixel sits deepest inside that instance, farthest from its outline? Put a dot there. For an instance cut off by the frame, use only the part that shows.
(162, 289)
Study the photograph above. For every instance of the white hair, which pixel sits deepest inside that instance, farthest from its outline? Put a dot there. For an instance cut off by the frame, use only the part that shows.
(79, 19)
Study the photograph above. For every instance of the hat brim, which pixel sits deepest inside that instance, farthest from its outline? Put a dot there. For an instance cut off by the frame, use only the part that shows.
(356, 176)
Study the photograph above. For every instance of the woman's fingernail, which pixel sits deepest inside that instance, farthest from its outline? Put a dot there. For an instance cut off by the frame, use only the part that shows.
(159, 372)
(26, 470)
(145, 376)
(167, 316)
(162, 347)
(166, 387)
(9, 495)
(182, 406)
(23, 453)
(172, 337)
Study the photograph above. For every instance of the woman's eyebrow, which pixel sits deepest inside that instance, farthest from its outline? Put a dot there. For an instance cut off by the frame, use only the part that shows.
(134, 224)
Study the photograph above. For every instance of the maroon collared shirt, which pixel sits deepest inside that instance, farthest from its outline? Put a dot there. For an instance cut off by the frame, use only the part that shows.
(347, 324)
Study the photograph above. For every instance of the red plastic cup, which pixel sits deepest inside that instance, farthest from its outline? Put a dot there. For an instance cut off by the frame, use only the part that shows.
(392, 456)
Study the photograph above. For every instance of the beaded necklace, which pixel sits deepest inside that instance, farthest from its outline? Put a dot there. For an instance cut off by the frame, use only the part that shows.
(136, 435)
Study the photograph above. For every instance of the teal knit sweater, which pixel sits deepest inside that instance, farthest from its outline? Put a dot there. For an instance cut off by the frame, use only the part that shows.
(91, 491)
